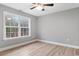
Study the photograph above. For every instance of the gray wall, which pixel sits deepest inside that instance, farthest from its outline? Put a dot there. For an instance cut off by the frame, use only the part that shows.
(62, 27)
(5, 43)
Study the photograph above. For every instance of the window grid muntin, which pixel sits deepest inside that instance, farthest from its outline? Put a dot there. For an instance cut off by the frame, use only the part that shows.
(19, 29)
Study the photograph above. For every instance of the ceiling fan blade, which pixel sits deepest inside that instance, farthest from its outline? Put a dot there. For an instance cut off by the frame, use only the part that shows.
(48, 4)
(32, 8)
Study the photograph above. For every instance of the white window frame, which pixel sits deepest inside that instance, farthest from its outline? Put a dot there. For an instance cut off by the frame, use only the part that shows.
(19, 33)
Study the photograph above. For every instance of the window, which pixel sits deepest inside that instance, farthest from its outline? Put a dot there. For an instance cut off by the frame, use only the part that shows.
(16, 26)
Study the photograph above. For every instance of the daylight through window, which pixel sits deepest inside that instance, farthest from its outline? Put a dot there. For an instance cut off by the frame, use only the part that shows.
(16, 26)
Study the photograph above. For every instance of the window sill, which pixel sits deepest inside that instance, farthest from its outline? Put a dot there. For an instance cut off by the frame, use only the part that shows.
(15, 37)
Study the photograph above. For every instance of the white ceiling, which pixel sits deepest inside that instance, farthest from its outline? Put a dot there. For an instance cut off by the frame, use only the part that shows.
(25, 7)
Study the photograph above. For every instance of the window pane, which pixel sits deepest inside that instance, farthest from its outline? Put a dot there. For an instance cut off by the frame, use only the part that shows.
(11, 20)
(7, 32)
(7, 19)
(23, 22)
(24, 31)
(14, 32)
(11, 32)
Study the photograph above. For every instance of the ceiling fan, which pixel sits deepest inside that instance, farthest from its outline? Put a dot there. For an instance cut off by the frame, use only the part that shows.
(40, 6)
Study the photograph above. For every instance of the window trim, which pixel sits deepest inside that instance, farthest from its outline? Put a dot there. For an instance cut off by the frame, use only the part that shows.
(19, 33)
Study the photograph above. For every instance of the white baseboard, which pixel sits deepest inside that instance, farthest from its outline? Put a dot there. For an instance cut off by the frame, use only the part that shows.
(61, 44)
(20, 44)
(17, 45)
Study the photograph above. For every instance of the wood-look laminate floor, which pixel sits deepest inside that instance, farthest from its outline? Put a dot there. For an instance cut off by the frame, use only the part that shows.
(41, 49)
